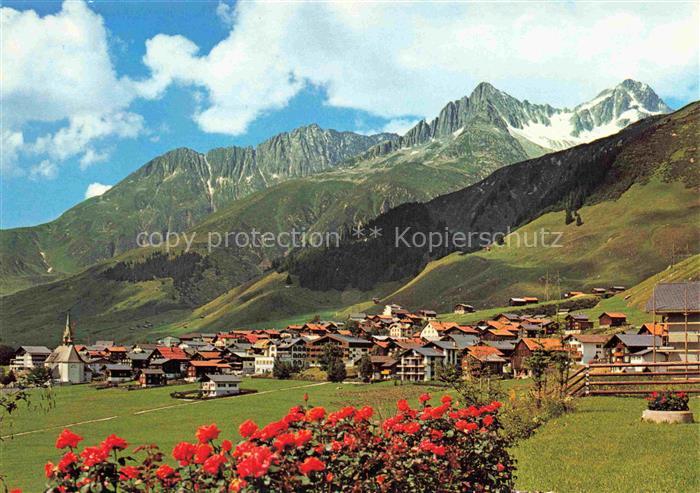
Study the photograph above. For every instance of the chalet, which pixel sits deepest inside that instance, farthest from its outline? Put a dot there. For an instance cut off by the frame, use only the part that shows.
(220, 385)
(171, 353)
(482, 361)
(116, 373)
(197, 369)
(434, 330)
(265, 352)
(383, 367)
(527, 346)
(427, 314)
(293, 351)
(617, 289)
(391, 310)
(572, 294)
(241, 363)
(524, 300)
(400, 330)
(578, 322)
(29, 357)
(463, 341)
(506, 347)
(620, 346)
(169, 341)
(587, 347)
(210, 355)
(462, 308)
(499, 334)
(451, 352)
(612, 319)
(314, 329)
(171, 368)
(654, 329)
(353, 348)
(599, 291)
(506, 318)
(116, 354)
(357, 317)
(528, 329)
(418, 364)
(678, 304)
(151, 377)
(137, 360)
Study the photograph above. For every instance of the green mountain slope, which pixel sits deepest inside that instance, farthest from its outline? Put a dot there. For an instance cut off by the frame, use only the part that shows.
(173, 192)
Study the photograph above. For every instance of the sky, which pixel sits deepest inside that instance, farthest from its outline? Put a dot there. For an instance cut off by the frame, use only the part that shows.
(89, 92)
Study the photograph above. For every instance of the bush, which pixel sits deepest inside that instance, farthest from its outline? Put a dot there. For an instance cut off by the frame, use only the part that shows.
(668, 401)
(282, 369)
(336, 371)
(443, 448)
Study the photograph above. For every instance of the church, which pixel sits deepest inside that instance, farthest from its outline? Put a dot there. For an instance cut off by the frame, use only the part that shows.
(65, 364)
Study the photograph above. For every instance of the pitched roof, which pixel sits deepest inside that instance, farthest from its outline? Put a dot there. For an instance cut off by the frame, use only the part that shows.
(590, 338)
(486, 353)
(654, 329)
(635, 340)
(223, 378)
(502, 345)
(118, 367)
(675, 297)
(36, 349)
(544, 343)
(464, 340)
(172, 353)
(613, 314)
(64, 354)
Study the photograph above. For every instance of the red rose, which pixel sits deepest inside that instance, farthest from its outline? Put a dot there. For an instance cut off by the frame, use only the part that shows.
(213, 464)
(183, 452)
(128, 472)
(165, 472)
(284, 440)
(411, 428)
(381, 478)
(202, 453)
(247, 428)
(94, 455)
(364, 414)
(315, 414)
(113, 442)
(226, 445)
(302, 437)
(256, 463)
(311, 464)
(16, 490)
(500, 467)
(68, 439)
(446, 399)
(466, 426)
(207, 433)
(49, 469)
(488, 421)
(424, 398)
(68, 459)
(237, 485)
(403, 406)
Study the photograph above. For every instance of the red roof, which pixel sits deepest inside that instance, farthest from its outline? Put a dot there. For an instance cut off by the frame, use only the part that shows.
(174, 353)
(210, 354)
(482, 352)
(544, 343)
(208, 363)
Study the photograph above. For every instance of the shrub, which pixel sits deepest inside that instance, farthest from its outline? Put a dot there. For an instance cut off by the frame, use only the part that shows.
(441, 448)
(668, 401)
(282, 369)
(364, 368)
(336, 371)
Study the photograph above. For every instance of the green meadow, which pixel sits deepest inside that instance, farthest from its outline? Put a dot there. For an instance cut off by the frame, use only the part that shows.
(602, 446)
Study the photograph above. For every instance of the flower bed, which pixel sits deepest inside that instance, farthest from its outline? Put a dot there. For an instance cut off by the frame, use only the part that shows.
(437, 448)
(668, 407)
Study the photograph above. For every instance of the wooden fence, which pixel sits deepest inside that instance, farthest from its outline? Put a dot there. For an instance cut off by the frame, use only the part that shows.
(634, 378)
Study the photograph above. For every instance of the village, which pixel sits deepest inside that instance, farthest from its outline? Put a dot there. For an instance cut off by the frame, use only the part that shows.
(401, 345)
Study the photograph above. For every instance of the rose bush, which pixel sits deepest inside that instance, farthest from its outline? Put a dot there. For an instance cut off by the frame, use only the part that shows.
(436, 448)
(668, 401)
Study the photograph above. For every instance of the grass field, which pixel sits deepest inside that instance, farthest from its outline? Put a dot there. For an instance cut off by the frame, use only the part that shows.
(152, 416)
(604, 446)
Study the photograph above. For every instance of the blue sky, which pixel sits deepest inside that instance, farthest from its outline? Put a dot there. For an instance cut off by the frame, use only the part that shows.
(93, 91)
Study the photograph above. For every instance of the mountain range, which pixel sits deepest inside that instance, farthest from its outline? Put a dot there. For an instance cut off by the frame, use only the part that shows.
(311, 179)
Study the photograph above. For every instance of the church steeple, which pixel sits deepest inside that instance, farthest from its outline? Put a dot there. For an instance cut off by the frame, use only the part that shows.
(67, 332)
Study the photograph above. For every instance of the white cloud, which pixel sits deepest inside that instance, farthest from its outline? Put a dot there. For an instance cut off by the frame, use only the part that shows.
(10, 145)
(57, 69)
(411, 60)
(96, 189)
(44, 170)
(226, 13)
(92, 156)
